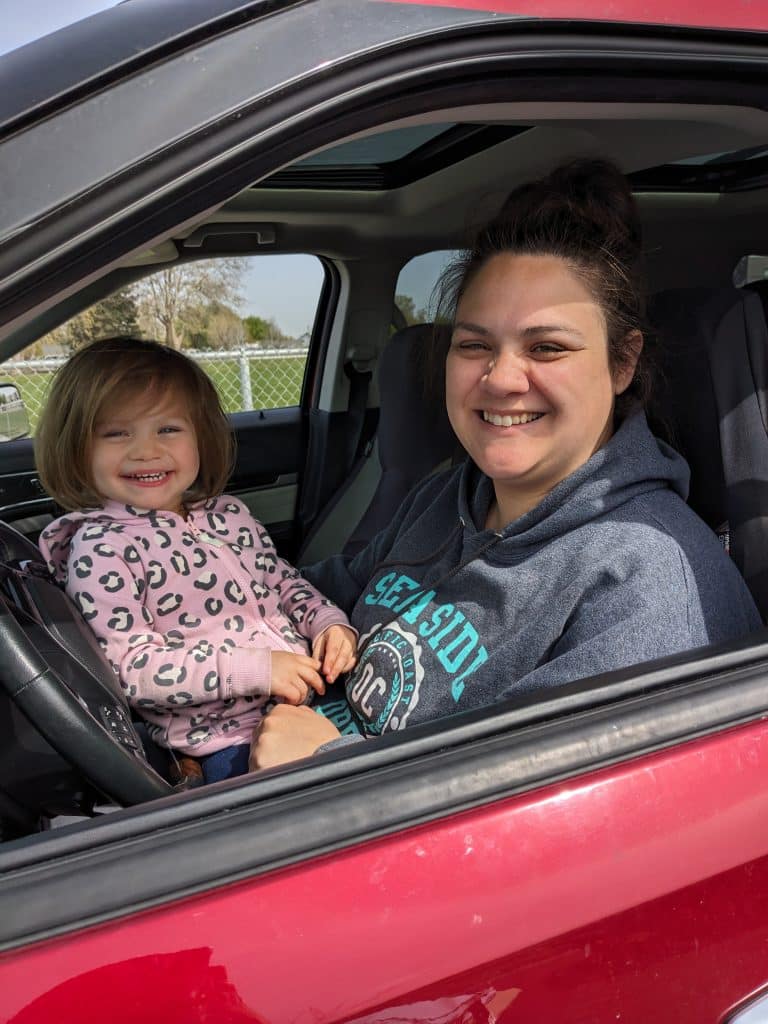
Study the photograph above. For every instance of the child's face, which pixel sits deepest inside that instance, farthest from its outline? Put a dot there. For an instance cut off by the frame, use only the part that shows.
(145, 453)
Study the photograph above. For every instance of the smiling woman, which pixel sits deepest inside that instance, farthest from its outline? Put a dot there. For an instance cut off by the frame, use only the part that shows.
(563, 546)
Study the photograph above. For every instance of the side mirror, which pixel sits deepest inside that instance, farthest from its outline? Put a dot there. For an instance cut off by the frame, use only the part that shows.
(14, 421)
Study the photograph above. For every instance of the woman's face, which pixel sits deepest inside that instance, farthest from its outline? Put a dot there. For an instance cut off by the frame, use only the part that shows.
(529, 388)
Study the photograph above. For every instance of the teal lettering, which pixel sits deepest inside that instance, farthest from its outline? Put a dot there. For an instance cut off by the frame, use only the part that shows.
(380, 587)
(435, 640)
(466, 640)
(389, 600)
(457, 686)
(418, 607)
(438, 616)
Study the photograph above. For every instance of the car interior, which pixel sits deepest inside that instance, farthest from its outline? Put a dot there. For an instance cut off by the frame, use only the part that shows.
(326, 474)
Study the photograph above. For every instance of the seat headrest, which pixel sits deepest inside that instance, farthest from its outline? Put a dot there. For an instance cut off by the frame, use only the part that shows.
(414, 432)
(683, 410)
(414, 435)
(712, 405)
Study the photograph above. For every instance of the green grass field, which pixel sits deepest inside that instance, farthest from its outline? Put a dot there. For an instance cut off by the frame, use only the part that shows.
(274, 383)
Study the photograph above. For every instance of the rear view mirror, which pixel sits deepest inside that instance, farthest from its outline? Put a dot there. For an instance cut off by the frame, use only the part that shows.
(14, 421)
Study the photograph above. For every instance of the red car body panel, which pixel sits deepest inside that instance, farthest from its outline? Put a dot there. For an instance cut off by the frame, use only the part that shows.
(578, 902)
(701, 13)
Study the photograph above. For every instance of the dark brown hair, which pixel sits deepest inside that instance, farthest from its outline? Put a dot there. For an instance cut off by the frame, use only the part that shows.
(584, 213)
(103, 375)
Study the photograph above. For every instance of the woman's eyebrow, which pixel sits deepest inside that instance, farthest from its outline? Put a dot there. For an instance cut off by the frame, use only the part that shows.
(466, 325)
(530, 332)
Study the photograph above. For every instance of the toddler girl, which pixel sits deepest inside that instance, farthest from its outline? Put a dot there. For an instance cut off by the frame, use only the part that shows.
(200, 619)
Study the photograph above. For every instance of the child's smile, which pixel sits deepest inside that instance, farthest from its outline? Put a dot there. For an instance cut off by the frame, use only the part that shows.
(147, 454)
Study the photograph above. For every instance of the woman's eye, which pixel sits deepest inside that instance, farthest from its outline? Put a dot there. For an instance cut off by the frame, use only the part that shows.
(548, 348)
(470, 346)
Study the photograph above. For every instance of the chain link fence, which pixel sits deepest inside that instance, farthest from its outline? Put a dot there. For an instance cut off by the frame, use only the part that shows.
(252, 377)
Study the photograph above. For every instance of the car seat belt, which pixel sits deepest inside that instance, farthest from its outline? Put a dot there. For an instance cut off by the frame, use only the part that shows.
(738, 356)
(359, 384)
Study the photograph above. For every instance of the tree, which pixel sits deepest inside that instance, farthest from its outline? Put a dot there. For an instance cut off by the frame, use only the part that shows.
(260, 330)
(170, 300)
(117, 314)
(407, 307)
(225, 328)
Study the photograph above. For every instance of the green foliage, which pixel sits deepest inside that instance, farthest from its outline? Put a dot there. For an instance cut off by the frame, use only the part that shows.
(407, 307)
(260, 330)
(117, 314)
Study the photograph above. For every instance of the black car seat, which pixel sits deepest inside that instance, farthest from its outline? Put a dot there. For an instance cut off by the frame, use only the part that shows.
(413, 439)
(712, 405)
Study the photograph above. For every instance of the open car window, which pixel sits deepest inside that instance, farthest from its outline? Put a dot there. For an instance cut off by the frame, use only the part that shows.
(246, 320)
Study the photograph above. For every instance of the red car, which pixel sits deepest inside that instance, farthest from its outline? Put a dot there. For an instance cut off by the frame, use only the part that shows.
(598, 856)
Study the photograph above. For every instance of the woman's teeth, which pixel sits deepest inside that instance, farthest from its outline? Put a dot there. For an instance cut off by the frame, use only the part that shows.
(511, 421)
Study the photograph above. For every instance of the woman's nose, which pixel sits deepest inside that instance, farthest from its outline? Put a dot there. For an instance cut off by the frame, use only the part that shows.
(506, 372)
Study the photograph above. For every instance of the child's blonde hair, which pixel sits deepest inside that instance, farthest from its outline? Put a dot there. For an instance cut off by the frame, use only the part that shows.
(103, 375)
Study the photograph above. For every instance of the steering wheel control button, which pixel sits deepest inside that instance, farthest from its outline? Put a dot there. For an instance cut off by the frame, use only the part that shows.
(119, 725)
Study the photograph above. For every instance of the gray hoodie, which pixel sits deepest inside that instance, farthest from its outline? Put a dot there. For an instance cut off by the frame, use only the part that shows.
(612, 568)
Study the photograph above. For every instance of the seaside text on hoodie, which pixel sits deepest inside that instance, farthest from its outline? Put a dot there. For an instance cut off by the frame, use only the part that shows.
(611, 569)
(187, 612)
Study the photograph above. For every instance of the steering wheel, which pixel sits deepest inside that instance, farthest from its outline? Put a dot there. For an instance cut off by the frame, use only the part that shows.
(53, 670)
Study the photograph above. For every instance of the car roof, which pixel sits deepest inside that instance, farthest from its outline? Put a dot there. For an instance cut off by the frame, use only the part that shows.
(90, 53)
(60, 67)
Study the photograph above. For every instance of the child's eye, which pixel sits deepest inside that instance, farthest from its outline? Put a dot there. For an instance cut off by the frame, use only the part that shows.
(113, 433)
(170, 429)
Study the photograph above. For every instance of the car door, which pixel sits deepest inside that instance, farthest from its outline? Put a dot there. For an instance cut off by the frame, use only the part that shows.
(598, 856)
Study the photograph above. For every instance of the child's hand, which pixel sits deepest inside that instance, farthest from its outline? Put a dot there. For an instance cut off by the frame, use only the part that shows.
(336, 650)
(292, 676)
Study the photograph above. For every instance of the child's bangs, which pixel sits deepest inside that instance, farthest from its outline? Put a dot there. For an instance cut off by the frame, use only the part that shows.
(143, 387)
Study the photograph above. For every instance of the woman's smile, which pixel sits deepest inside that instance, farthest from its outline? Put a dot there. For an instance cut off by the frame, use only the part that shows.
(511, 419)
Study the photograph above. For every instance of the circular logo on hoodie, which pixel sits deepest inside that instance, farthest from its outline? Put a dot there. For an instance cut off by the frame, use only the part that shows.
(385, 685)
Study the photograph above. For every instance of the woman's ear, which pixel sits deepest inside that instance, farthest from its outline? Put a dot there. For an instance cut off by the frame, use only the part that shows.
(622, 378)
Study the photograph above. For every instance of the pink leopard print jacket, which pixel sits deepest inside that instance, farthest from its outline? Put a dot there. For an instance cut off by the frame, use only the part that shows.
(187, 612)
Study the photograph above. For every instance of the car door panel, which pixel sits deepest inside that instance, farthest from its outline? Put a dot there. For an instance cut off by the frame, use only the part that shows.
(632, 893)
(268, 462)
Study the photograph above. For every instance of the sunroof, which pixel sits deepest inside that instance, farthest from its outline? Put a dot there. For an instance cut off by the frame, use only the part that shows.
(391, 159)
(376, 149)
(737, 170)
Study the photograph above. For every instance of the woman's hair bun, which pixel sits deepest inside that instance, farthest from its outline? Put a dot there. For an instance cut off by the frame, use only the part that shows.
(587, 201)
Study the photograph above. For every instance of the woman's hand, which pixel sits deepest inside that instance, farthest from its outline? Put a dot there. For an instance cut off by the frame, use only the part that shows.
(288, 734)
(292, 676)
(336, 650)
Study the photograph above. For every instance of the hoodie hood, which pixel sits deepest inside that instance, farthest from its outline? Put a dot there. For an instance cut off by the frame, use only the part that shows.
(56, 540)
(632, 463)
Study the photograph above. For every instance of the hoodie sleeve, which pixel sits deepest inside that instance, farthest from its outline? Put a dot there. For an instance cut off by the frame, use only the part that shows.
(650, 612)
(156, 670)
(310, 612)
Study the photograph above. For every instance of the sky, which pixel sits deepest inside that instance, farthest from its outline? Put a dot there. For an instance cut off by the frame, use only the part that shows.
(21, 21)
